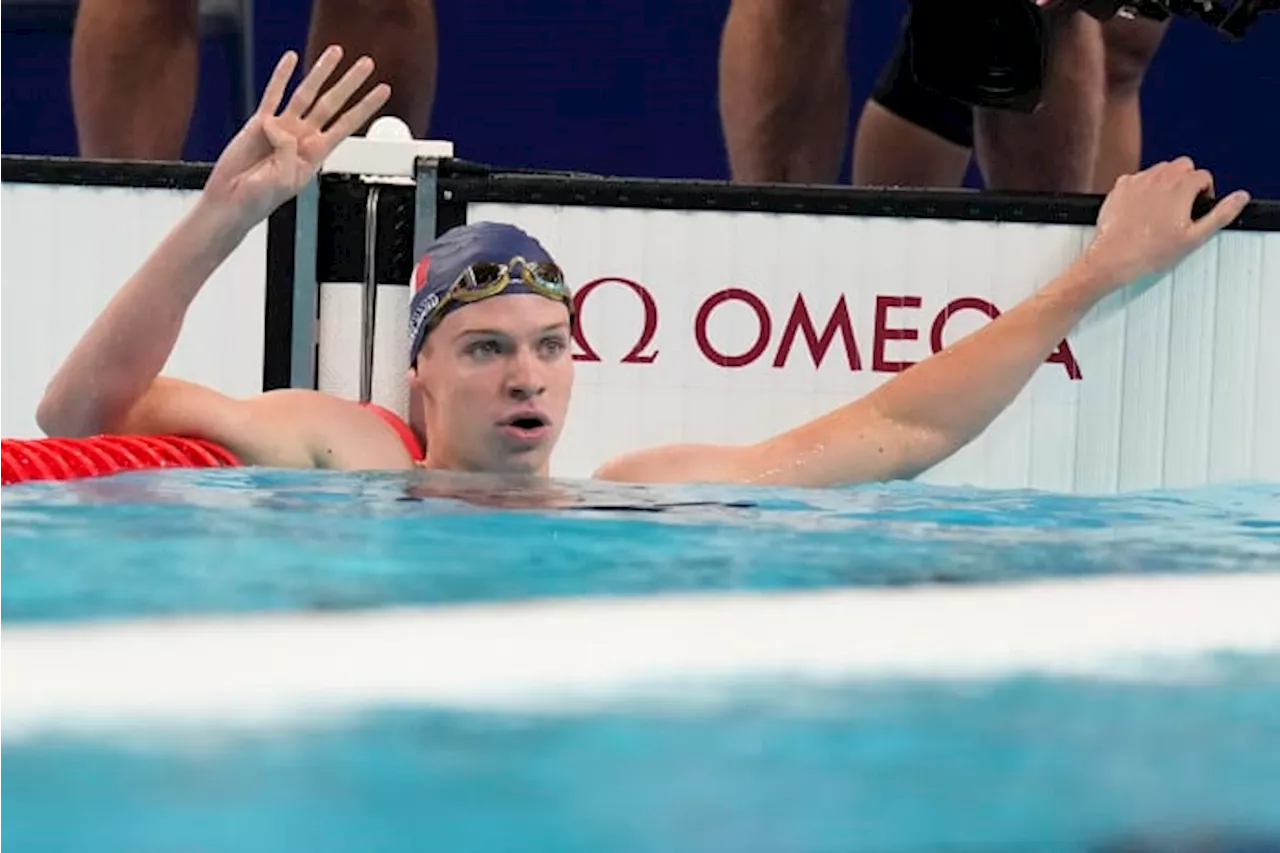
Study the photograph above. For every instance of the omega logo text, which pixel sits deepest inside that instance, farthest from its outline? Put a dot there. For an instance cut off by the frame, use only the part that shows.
(896, 318)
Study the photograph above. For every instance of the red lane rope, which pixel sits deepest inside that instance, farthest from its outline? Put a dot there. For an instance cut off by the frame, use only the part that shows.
(24, 460)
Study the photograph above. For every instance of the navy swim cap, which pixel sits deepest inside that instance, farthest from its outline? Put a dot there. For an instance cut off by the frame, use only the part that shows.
(449, 255)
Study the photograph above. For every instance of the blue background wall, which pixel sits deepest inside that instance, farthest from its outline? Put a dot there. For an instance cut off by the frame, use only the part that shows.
(629, 86)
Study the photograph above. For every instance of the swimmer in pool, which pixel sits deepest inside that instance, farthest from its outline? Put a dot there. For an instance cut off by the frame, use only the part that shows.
(490, 367)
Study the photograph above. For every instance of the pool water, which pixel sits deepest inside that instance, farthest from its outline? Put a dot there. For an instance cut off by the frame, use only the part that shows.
(1026, 764)
(187, 542)
(1032, 761)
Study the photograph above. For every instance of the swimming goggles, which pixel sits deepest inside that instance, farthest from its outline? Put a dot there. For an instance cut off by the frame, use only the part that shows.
(483, 280)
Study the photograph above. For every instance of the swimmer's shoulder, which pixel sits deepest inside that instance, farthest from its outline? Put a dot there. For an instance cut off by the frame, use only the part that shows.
(348, 435)
(283, 428)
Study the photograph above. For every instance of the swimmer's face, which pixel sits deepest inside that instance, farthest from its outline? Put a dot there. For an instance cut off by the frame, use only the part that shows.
(495, 379)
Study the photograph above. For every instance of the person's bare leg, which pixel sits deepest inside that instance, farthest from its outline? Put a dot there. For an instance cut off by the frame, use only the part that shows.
(1055, 147)
(784, 89)
(889, 151)
(135, 67)
(400, 36)
(1130, 46)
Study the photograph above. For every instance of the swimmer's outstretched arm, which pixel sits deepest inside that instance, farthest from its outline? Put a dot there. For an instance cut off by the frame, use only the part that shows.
(110, 381)
(928, 412)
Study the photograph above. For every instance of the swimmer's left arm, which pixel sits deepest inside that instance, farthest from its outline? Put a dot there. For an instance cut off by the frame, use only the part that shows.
(928, 412)
(906, 425)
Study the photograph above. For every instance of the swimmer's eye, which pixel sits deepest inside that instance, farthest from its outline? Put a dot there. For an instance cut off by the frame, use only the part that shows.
(554, 345)
(484, 349)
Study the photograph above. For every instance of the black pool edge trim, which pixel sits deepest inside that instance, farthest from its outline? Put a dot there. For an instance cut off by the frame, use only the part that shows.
(136, 174)
(466, 183)
(463, 182)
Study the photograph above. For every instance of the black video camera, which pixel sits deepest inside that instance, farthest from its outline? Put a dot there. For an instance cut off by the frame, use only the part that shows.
(993, 53)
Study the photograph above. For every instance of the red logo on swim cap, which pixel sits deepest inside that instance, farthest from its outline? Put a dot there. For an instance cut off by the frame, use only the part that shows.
(420, 273)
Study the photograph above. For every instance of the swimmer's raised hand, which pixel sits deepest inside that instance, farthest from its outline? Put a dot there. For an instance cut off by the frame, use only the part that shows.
(110, 380)
(1146, 224)
(277, 152)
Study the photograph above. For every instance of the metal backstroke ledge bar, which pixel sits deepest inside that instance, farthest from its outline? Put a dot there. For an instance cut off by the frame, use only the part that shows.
(387, 155)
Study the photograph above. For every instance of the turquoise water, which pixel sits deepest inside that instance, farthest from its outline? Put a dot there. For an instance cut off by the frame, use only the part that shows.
(1032, 763)
(234, 541)
(1025, 764)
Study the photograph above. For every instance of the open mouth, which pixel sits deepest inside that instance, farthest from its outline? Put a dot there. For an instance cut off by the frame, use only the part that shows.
(531, 426)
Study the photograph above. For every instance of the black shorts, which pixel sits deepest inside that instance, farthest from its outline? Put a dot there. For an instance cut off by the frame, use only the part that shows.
(898, 92)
